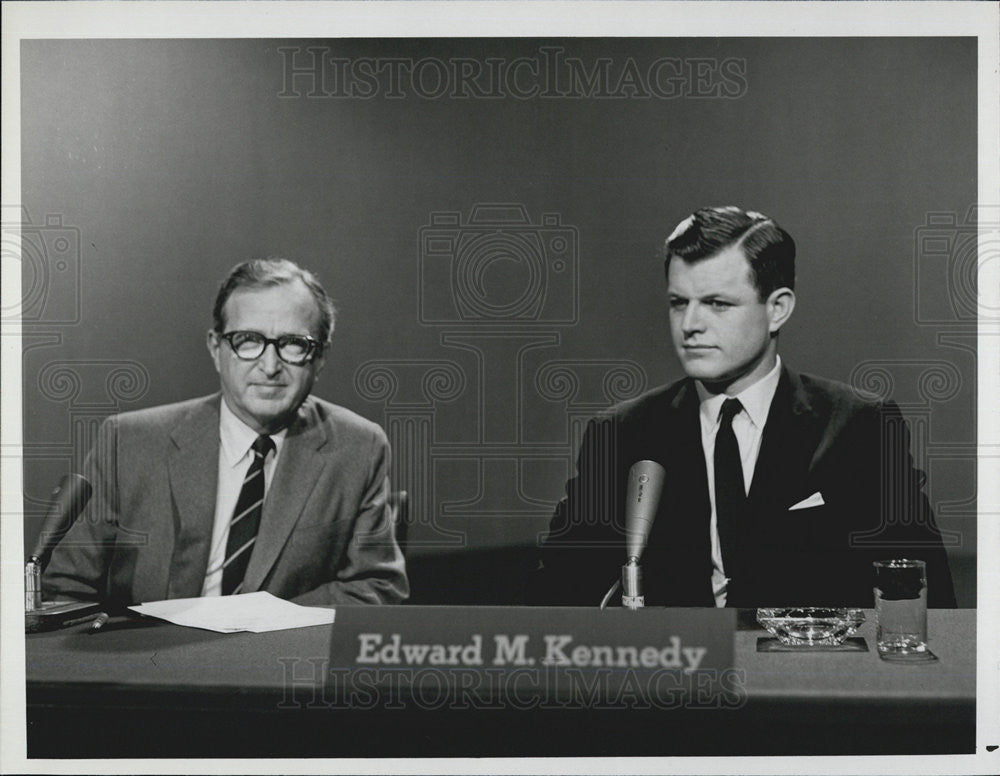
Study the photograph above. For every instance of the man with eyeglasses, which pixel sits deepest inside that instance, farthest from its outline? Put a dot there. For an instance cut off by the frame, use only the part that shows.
(259, 487)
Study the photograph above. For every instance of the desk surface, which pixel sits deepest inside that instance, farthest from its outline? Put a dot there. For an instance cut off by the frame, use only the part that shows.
(833, 697)
(951, 636)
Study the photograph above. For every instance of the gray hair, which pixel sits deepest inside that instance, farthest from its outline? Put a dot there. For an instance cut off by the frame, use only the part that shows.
(261, 273)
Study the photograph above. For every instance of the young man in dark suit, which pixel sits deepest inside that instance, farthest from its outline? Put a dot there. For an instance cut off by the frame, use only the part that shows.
(780, 488)
(258, 487)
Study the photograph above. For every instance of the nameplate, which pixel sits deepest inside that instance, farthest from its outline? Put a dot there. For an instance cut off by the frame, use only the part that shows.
(529, 656)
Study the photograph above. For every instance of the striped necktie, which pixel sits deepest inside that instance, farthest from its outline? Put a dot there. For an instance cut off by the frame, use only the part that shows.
(730, 492)
(246, 519)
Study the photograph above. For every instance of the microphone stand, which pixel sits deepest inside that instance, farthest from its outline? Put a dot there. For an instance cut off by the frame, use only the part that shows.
(68, 500)
(632, 597)
(33, 584)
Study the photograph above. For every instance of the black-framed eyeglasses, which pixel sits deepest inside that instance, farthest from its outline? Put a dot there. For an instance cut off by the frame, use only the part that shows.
(294, 349)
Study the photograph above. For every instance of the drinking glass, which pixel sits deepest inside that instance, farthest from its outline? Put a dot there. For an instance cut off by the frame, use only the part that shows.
(901, 610)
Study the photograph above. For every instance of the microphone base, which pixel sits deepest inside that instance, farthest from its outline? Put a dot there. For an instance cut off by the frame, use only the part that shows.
(54, 615)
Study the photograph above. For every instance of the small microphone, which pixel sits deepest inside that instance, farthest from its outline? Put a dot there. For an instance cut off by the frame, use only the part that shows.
(68, 500)
(645, 486)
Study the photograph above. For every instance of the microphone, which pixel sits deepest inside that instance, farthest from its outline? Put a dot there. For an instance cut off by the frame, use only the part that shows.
(69, 498)
(645, 486)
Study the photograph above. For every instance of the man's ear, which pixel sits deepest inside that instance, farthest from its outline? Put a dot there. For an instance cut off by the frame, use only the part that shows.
(214, 345)
(780, 305)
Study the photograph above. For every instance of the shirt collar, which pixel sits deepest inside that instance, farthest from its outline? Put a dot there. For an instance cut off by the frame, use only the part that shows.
(236, 437)
(756, 399)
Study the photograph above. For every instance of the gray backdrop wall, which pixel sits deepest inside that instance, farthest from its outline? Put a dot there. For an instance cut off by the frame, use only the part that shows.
(489, 216)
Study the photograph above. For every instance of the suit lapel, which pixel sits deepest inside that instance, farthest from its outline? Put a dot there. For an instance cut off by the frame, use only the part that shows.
(295, 475)
(791, 435)
(193, 470)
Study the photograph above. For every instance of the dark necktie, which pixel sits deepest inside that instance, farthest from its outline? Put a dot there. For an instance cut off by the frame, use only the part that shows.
(246, 519)
(730, 493)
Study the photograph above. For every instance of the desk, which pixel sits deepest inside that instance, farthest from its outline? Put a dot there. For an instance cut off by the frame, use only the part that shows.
(149, 689)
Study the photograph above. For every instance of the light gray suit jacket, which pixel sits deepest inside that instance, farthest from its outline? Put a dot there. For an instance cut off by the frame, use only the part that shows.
(326, 533)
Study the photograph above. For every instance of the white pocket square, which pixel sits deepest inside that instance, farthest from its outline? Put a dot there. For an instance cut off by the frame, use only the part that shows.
(815, 500)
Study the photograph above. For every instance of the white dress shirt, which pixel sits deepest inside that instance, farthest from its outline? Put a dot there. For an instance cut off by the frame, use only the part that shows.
(748, 428)
(235, 455)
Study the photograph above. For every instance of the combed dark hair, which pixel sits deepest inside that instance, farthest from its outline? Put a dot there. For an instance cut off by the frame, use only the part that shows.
(261, 273)
(769, 249)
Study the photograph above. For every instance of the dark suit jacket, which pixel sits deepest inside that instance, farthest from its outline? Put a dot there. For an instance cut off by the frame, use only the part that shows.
(819, 437)
(326, 532)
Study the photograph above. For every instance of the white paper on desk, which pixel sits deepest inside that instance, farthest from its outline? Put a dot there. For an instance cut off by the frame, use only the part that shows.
(254, 612)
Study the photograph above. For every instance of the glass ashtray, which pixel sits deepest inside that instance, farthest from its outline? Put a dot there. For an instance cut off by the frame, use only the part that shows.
(806, 626)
